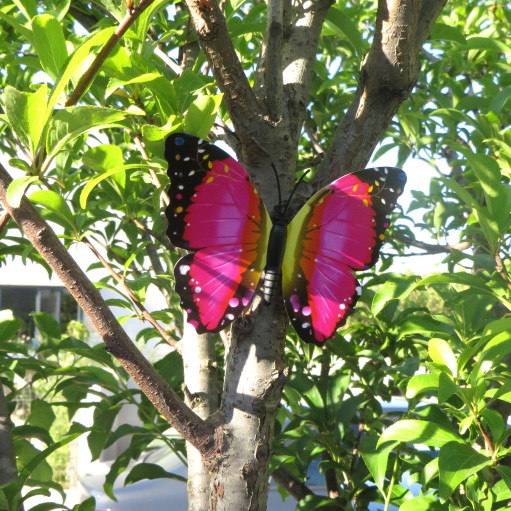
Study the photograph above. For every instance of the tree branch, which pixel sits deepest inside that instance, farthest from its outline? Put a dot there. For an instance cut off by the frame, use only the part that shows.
(303, 26)
(89, 75)
(211, 29)
(388, 74)
(430, 248)
(4, 218)
(272, 67)
(201, 390)
(191, 427)
(292, 484)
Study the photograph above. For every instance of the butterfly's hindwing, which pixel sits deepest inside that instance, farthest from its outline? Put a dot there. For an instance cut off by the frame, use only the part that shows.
(216, 212)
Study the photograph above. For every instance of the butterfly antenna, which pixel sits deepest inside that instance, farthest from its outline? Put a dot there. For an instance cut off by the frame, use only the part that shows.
(278, 183)
(297, 184)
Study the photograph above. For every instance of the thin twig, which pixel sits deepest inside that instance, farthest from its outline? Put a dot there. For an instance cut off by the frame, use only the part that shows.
(430, 248)
(156, 181)
(174, 66)
(144, 312)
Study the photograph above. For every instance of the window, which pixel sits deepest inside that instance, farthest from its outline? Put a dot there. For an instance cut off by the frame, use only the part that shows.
(23, 300)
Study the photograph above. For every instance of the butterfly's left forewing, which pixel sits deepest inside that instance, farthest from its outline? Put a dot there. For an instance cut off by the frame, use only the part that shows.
(339, 230)
(216, 213)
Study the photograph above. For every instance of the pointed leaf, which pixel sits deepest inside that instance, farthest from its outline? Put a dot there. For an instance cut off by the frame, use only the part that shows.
(78, 62)
(441, 353)
(418, 432)
(422, 383)
(50, 43)
(456, 462)
(87, 189)
(27, 114)
(17, 189)
(150, 471)
(375, 456)
(201, 115)
(55, 203)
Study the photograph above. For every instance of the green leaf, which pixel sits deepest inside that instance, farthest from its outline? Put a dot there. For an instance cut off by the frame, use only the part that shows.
(17, 189)
(48, 326)
(78, 63)
(103, 157)
(447, 33)
(498, 102)
(87, 189)
(71, 122)
(27, 113)
(375, 456)
(201, 115)
(41, 414)
(487, 43)
(33, 432)
(475, 283)
(74, 432)
(104, 417)
(150, 471)
(418, 432)
(493, 352)
(441, 353)
(495, 423)
(13, 22)
(86, 505)
(446, 387)
(456, 462)
(488, 173)
(9, 325)
(422, 383)
(423, 503)
(395, 287)
(505, 473)
(117, 83)
(50, 43)
(55, 203)
(27, 7)
(339, 24)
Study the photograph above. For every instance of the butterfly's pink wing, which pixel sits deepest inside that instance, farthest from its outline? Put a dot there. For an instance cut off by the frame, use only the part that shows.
(216, 213)
(339, 230)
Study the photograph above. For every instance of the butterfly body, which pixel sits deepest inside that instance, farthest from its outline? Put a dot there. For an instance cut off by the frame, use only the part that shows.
(216, 212)
(274, 258)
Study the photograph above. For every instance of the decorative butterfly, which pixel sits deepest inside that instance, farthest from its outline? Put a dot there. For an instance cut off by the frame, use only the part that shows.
(216, 213)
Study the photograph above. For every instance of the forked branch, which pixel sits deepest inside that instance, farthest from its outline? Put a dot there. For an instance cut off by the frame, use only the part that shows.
(389, 72)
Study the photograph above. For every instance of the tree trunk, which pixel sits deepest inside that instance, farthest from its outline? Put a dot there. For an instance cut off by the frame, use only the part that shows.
(201, 395)
(268, 120)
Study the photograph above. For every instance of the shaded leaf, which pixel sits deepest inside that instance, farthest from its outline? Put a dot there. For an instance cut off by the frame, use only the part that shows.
(150, 471)
(418, 432)
(456, 462)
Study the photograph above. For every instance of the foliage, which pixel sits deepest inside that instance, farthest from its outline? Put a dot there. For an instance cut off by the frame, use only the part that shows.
(85, 168)
(63, 375)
